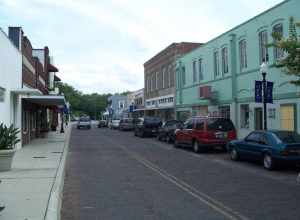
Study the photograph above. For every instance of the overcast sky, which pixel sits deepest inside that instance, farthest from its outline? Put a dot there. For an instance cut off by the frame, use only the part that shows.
(101, 45)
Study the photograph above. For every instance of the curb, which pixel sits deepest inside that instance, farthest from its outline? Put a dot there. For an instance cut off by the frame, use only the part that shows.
(55, 198)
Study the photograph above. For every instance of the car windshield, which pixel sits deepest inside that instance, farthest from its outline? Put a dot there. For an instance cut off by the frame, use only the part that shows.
(220, 124)
(84, 119)
(288, 137)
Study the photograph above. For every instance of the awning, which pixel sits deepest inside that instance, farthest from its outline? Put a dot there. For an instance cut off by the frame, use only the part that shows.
(52, 68)
(139, 109)
(47, 100)
(26, 91)
(56, 78)
(160, 108)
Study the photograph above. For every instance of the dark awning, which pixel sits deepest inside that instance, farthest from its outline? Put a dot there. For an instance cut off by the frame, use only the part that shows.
(47, 100)
(56, 78)
(52, 68)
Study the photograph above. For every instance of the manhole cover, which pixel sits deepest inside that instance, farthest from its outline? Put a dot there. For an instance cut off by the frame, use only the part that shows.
(37, 157)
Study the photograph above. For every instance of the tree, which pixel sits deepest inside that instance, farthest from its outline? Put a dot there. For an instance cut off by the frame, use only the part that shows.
(291, 46)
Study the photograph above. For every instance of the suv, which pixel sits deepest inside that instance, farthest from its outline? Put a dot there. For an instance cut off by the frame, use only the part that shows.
(201, 133)
(126, 124)
(147, 126)
(167, 131)
(84, 122)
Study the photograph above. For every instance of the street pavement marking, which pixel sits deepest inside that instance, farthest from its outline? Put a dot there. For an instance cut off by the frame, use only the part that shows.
(209, 201)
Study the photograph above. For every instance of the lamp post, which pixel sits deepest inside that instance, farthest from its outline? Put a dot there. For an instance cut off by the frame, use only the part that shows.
(264, 70)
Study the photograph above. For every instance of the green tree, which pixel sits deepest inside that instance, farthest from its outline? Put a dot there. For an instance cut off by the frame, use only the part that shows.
(291, 46)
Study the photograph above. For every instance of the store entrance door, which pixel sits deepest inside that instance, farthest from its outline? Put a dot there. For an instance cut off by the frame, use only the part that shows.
(258, 119)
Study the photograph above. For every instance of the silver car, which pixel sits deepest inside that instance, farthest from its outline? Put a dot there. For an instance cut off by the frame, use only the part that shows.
(84, 122)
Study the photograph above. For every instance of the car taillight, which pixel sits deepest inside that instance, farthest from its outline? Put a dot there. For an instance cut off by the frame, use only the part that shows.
(231, 135)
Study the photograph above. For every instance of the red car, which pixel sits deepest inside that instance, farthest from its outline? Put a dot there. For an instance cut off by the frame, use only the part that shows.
(202, 133)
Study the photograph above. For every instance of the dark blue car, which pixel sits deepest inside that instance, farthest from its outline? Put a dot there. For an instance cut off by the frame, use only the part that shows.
(271, 147)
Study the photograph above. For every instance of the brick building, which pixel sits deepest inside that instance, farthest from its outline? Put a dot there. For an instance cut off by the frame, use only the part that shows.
(159, 76)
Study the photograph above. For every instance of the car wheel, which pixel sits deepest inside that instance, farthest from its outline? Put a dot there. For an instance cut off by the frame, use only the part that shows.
(142, 134)
(135, 132)
(234, 155)
(268, 162)
(196, 147)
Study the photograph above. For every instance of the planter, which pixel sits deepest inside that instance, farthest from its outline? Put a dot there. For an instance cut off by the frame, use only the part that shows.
(6, 157)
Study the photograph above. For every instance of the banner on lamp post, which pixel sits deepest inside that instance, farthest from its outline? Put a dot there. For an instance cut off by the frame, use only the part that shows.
(269, 95)
(258, 91)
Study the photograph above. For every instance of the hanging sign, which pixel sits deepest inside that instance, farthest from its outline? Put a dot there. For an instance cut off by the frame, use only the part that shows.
(258, 91)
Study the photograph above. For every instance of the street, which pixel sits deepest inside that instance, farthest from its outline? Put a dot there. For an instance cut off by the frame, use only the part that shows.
(114, 175)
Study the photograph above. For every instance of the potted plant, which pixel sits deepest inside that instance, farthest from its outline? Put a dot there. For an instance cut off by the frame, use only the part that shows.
(8, 140)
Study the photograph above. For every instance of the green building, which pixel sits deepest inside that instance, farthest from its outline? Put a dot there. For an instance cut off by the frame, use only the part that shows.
(218, 78)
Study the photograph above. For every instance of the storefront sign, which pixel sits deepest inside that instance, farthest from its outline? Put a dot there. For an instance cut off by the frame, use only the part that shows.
(258, 91)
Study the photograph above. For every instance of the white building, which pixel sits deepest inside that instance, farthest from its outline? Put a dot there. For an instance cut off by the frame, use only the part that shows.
(10, 82)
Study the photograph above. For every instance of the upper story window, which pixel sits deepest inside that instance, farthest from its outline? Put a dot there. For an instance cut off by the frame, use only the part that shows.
(156, 80)
(153, 82)
(183, 75)
(278, 53)
(243, 54)
(225, 60)
(163, 78)
(216, 64)
(263, 49)
(194, 71)
(200, 69)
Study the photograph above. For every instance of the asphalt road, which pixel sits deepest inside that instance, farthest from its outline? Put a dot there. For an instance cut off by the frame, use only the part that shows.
(115, 175)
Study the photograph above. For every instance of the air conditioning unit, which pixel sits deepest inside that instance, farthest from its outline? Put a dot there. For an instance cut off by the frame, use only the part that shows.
(205, 92)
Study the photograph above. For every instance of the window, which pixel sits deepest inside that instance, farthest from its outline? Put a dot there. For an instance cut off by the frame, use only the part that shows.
(200, 70)
(163, 78)
(278, 53)
(156, 80)
(153, 82)
(171, 76)
(148, 84)
(243, 54)
(199, 124)
(216, 63)
(188, 124)
(194, 71)
(183, 75)
(263, 50)
(253, 137)
(244, 116)
(225, 60)
(2, 94)
(121, 104)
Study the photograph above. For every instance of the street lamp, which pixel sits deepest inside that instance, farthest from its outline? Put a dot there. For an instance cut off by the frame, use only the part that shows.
(264, 70)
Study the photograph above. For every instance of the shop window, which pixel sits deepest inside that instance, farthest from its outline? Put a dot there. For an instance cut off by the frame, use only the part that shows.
(278, 53)
(2, 94)
(216, 63)
(194, 71)
(224, 111)
(225, 60)
(245, 116)
(200, 69)
(263, 49)
(243, 54)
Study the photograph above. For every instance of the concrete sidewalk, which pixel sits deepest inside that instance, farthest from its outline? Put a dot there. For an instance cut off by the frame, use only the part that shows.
(26, 189)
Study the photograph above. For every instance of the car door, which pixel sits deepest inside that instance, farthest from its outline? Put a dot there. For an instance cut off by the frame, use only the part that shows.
(253, 145)
(186, 132)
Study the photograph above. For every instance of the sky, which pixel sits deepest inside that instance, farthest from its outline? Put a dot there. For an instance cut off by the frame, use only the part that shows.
(101, 45)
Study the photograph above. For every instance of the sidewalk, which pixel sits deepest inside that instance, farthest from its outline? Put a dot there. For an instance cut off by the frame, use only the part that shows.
(25, 190)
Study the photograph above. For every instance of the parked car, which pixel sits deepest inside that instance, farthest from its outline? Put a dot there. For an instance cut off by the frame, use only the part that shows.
(101, 124)
(147, 126)
(115, 124)
(126, 124)
(84, 122)
(202, 133)
(167, 131)
(271, 147)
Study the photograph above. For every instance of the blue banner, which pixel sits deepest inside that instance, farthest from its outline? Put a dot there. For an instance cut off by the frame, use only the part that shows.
(269, 91)
(131, 108)
(258, 91)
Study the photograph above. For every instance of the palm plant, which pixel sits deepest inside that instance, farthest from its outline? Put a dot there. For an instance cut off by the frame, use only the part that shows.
(8, 137)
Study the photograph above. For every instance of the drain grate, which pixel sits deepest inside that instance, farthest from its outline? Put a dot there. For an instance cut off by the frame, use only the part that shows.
(39, 157)
(56, 152)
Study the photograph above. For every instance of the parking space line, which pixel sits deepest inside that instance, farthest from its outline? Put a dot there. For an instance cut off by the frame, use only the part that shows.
(204, 198)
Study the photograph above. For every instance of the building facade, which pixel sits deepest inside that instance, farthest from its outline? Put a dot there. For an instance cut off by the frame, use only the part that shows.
(11, 81)
(218, 78)
(159, 80)
(39, 108)
(138, 103)
(117, 106)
